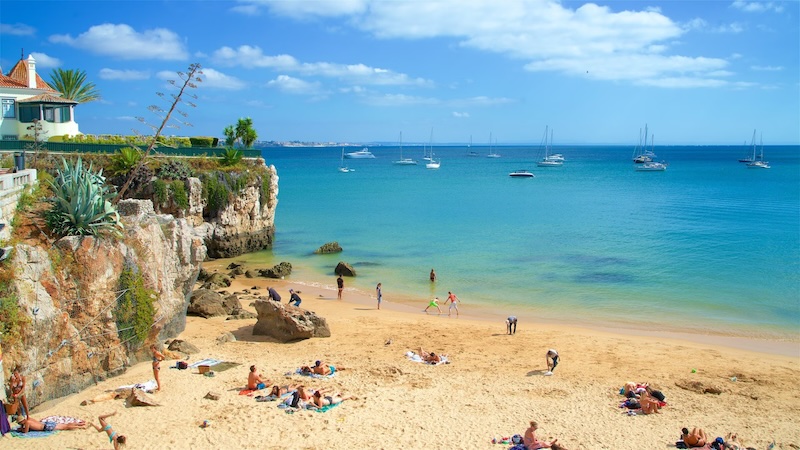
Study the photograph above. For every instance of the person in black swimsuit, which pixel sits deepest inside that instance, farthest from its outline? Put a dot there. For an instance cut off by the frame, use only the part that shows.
(157, 358)
(340, 285)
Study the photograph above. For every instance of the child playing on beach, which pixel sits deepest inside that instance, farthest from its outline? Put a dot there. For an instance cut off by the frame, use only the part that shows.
(116, 439)
(379, 294)
(435, 303)
(552, 361)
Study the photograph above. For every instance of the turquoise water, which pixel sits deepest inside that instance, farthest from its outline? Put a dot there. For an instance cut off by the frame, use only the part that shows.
(706, 245)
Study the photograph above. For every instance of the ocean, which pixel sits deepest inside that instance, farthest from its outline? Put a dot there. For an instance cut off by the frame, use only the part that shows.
(708, 245)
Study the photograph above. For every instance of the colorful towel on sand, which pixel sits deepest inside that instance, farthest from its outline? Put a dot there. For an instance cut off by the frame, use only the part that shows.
(247, 391)
(147, 386)
(61, 419)
(32, 434)
(225, 365)
(416, 358)
(316, 375)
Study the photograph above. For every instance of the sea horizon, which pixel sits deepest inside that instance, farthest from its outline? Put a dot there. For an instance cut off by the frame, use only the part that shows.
(708, 246)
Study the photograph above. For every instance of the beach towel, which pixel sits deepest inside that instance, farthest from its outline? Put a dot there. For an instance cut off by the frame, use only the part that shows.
(316, 375)
(61, 419)
(32, 434)
(206, 362)
(147, 386)
(416, 358)
(247, 391)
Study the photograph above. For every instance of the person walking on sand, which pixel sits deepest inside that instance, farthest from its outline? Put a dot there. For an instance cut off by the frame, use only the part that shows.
(379, 294)
(433, 276)
(453, 299)
(340, 286)
(157, 358)
(294, 298)
(552, 361)
(511, 322)
(434, 302)
(116, 439)
(530, 440)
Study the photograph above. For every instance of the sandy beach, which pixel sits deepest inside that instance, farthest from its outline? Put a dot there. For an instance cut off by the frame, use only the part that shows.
(493, 386)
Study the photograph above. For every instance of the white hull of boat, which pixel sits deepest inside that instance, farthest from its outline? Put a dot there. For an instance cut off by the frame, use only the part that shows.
(361, 154)
(758, 165)
(547, 163)
(651, 167)
(433, 164)
(521, 174)
(405, 162)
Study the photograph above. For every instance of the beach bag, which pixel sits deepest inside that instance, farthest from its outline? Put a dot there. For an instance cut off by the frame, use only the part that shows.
(658, 395)
(633, 403)
(182, 365)
(11, 408)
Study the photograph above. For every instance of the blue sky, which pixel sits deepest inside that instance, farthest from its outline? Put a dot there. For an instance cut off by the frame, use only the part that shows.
(697, 72)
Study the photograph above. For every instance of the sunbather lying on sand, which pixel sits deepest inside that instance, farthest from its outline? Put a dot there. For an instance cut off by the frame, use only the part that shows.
(277, 391)
(697, 438)
(429, 357)
(321, 401)
(30, 424)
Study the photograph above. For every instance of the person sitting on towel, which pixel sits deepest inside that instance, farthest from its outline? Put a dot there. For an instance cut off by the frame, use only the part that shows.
(254, 380)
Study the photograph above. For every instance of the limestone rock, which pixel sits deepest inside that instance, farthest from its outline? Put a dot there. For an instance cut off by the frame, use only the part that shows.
(250, 273)
(183, 346)
(287, 323)
(231, 304)
(139, 397)
(213, 396)
(280, 270)
(330, 247)
(216, 281)
(241, 315)
(344, 269)
(206, 303)
(226, 337)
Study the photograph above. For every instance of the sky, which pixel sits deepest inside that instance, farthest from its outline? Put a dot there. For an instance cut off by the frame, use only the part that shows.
(448, 71)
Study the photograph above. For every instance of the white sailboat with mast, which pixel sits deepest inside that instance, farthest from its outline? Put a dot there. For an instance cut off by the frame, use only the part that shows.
(492, 153)
(546, 160)
(758, 160)
(403, 161)
(342, 167)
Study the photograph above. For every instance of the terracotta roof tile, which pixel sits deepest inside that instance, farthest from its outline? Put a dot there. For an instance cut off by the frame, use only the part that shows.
(47, 98)
(19, 73)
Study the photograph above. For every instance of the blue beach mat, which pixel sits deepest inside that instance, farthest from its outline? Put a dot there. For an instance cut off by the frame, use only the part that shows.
(32, 434)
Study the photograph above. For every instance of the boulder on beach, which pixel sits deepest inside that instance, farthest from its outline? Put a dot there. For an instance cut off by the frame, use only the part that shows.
(330, 247)
(280, 270)
(288, 323)
(207, 303)
(216, 281)
(344, 269)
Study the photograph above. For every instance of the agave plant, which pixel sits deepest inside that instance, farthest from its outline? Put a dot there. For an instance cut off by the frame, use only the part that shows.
(80, 202)
(230, 157)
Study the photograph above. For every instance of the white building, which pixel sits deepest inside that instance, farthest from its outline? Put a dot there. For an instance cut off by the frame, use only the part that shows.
(25, 97)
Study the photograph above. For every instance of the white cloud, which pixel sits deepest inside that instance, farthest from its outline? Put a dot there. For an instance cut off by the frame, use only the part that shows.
(46, 62)
(460, 115)
(210, 79)
(399, 100)
(767, 68)
(127, 118)
(299, 9)
(17, 29)
(254, 57)
(122, 41)
(291, 85)
(123, 75)
(757, 6)
(247, 10)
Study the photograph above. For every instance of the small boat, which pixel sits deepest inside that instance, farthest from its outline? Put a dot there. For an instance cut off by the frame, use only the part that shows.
(361, 154)
(758, 161)
(425, 156)
(641, 154)
(651, 166)
(492, 153)
(433, 164)
(521, 174)
(342, 167)
(470, 152)
(555, 157)
(547, 161)
(403, 161)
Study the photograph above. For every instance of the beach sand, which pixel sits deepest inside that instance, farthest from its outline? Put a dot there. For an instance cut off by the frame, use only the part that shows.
(493, 386)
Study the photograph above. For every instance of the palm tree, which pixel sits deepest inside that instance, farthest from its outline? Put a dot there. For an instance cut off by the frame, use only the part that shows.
(245, 132)
(73, 85)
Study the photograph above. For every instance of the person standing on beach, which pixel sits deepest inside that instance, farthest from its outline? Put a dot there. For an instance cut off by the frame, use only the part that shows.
(433, 276)
(294, 298)
(453, 299)
(379, 294)
(340, 285)
(157, 358)
(273, 294)
(17, 385)
(511, 321)
(435, 303)
(552, 361)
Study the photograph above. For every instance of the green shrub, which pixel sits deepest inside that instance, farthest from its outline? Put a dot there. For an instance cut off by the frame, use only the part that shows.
(179, 195)
(202, 141)
(216, 193)
(124, 160)
(12, 319)
(135, 310)
(230, 157)
(160, 191)
(174, 170)
(81, 202)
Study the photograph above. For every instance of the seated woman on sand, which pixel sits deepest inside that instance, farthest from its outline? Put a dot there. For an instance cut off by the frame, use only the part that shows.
(29, 424)
(530, 440)
(649, 403)
(697, 438)
(320, 401)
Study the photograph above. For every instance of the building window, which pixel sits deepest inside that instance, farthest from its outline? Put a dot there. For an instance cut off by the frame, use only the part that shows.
(65, 115)
(28, 113)
(49, 114)
(8, 108)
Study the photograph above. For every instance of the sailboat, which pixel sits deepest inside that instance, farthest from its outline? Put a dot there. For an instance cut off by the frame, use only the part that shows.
(403, 161)
(342, 167)
(651, 166)
(547, 161)
(641, 154)
(471, 152)
(492, 153)
(433, 164)
(425, 156)
(758, 161)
